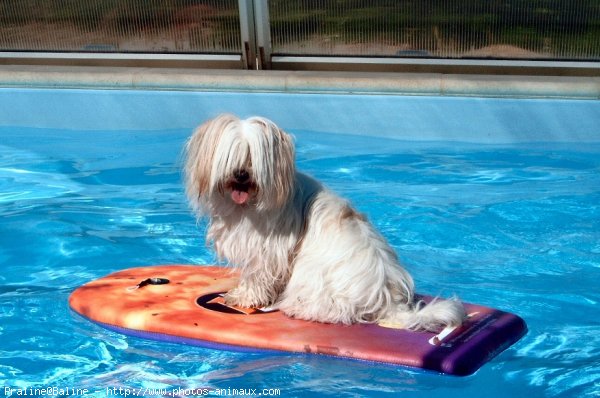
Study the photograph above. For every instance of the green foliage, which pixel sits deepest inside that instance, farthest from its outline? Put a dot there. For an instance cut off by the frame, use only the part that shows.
(528, 24)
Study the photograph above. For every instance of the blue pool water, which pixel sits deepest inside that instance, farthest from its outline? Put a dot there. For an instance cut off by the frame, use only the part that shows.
(512, 226)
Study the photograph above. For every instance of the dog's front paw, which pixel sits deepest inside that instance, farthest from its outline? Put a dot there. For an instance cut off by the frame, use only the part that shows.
(233, 298)
(246, 298)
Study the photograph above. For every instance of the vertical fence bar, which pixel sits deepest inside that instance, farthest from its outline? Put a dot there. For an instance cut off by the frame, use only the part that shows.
(263, 34)
(247, 33)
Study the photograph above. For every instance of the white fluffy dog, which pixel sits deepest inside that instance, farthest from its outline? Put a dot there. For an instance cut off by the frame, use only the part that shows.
(298, 246)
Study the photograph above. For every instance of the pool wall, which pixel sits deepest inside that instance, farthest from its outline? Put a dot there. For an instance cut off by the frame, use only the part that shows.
(424, 107)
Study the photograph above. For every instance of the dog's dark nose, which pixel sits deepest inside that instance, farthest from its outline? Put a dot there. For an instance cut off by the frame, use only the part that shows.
(241, 176)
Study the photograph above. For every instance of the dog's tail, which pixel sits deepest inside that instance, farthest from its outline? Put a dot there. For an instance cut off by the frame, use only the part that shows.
(432, 316)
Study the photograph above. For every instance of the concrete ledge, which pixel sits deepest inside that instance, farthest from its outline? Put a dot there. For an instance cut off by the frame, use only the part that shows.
(185, 79)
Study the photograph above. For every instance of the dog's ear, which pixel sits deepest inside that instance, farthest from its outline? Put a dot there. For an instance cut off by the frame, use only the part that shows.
(285, 173)
(200, 152)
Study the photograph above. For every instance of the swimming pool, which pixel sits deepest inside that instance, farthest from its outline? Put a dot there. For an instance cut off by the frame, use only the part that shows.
(495, 200)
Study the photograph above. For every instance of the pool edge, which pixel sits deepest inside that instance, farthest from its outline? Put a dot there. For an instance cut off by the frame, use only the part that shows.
(376, 83)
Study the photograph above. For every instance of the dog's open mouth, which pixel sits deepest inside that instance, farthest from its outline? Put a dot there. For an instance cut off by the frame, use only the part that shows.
(241, 186)
(239, 193)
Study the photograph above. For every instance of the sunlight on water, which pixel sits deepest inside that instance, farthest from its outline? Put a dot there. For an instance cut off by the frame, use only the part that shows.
(515, 228)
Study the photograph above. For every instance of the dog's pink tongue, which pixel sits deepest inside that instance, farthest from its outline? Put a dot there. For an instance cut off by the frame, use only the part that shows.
(239, 197)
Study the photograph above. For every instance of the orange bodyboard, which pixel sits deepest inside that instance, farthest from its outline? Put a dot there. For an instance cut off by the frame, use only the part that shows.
(180, 303)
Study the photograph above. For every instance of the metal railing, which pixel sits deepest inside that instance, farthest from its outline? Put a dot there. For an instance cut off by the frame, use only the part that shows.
(163, 32)
(430, 35)
(148, 26)
(506, 29)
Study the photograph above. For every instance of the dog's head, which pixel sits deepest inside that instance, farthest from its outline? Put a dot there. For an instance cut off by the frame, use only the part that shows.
(248, 163)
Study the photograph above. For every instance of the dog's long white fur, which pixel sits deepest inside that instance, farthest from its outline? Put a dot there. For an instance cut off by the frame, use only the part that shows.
(298, 246)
